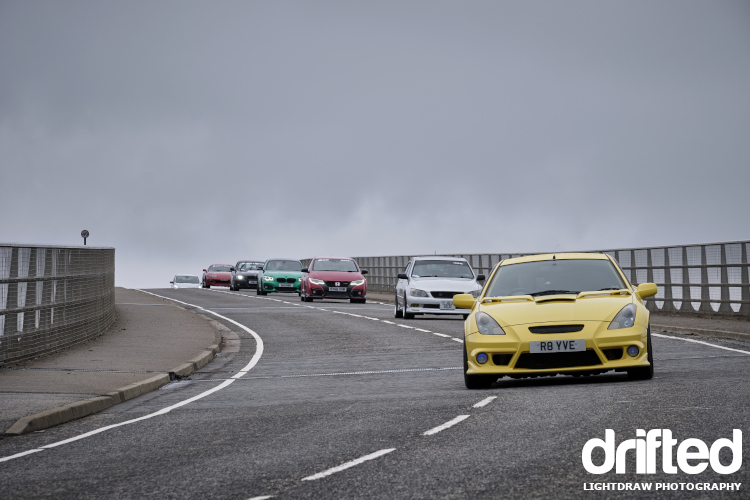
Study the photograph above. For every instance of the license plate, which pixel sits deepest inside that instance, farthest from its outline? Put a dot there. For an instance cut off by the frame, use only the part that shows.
(283, 285)
(336, 288)
(447, 304)
(544, 346)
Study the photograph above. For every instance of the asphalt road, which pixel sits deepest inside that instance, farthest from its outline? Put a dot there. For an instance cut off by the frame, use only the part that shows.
(337, 382)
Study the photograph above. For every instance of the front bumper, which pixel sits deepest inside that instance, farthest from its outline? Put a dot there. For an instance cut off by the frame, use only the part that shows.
(248, 282)
(431, 305)
(273, 286)
(217, 282)
(324, 292)
(510, 354)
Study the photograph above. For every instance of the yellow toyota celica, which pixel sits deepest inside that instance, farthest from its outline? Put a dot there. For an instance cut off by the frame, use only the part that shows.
(541, 315)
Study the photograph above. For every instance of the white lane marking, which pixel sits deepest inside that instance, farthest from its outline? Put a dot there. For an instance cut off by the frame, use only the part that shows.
(485, 402)
(261, 498)
(355, 315)
(457, 340)
(348, 465)
(422, 330)
(253, 361)
(699, 342)
(374, 319)
(370, 372)
(440, 334)
(449, 423)
(389, 322)
(405, 326)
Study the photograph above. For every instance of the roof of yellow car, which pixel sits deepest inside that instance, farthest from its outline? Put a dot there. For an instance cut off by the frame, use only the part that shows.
(558, 256)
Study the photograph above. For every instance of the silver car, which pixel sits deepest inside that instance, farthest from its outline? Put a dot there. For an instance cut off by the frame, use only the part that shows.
(185, 281)
(428, 284)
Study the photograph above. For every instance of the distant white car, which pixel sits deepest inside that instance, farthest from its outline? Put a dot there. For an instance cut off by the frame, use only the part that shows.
(186, 281)
(427, 286)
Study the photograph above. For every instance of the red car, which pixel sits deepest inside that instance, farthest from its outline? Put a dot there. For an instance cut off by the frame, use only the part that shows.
(217, 275)
(333, 278)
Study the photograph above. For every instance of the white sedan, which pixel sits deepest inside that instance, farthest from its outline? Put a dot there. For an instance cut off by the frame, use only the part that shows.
(186, 281)
(428, 284)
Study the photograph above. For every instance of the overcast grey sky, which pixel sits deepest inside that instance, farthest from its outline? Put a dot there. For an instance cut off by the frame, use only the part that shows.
(190, 133)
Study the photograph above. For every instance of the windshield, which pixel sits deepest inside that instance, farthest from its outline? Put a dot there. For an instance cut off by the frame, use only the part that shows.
(187, 279)
(249, 266)
(283, 265)
(554, 276)
(219, 268)
(344, 265)
(442, 269)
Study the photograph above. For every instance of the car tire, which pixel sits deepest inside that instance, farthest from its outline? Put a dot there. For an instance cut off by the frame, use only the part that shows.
(260, 290)
(357, 301)
(406, 314)
(476, 381)
(207, 286)
(644, 372)
(397, 313)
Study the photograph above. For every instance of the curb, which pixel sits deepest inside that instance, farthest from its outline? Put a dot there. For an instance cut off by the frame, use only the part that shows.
(83, 408)
(744, 337)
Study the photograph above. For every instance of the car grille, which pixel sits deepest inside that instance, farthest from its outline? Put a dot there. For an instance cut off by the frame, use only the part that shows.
(444, 295)
(286, 280)
(541, 361)
(556, 329)
(337, 283)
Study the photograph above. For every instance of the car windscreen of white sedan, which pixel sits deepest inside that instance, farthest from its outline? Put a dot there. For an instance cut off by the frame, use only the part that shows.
(428, 284)
(185, 281)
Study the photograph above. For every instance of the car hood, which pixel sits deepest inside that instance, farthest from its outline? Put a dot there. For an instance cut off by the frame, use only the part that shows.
(220, 274)
(523, 309)
(249, 273)
(445, 284)
(283, 274)
(335, 276)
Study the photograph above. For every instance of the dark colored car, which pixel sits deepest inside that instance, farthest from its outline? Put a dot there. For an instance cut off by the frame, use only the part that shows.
(245, 274)
(217, 275)
(333, 278)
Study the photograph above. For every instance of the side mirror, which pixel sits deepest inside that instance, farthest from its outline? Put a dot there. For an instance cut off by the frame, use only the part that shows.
(305, 270)
(363, 271)
(402, 276)
(464, 301)
(646, 290)
(172, 282)
(205, 271)
(232, 269)
(480, 277)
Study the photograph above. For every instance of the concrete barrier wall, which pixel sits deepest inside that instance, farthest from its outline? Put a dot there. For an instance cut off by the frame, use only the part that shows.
(53, 297)
(709, 278)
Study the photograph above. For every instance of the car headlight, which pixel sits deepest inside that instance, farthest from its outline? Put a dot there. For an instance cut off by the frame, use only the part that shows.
(316, 282)
(487, 325)
(624, 319)
(358, 282)
(418, 293)
(268, 278)
(240, 277)
(476, 293)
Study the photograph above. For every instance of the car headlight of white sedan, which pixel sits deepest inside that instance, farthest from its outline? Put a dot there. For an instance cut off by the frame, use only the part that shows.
(415, 292)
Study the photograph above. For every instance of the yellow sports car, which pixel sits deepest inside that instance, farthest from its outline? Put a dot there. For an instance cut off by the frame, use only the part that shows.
(541, 315)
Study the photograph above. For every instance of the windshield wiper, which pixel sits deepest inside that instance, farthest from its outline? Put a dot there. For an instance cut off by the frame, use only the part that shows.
(610, 288)
(552, 292)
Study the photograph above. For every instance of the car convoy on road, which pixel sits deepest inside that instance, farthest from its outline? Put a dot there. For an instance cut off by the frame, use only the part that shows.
(538, 315)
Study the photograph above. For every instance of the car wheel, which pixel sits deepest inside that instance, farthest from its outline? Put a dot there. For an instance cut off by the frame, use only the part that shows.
(476, 381)
(260, 290)
(406, 314)
(207, 286)
(645, 372)
(398, 313)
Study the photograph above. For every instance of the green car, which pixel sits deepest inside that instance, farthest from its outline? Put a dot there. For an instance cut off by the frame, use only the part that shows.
(280, 275)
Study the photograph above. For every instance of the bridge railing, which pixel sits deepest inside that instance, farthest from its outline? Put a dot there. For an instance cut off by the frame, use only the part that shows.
(707, 278)
(53, 297)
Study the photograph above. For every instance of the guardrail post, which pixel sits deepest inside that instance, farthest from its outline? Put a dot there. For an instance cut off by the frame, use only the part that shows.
(705, 306)
(745, 281)
(724, 307)
(687, 302)
(668, 299)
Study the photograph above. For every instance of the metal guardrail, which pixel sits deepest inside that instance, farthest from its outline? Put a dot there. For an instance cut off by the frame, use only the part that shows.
(707, 278)
(53, 297)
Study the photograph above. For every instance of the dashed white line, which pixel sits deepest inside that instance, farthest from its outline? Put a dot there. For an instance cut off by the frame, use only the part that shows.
(261, 498)
(422, 330)
(458, 340)
(405, 326)
(440, 334)
(348, 465)
(485, 402)
(446, 425)
(389, 322)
